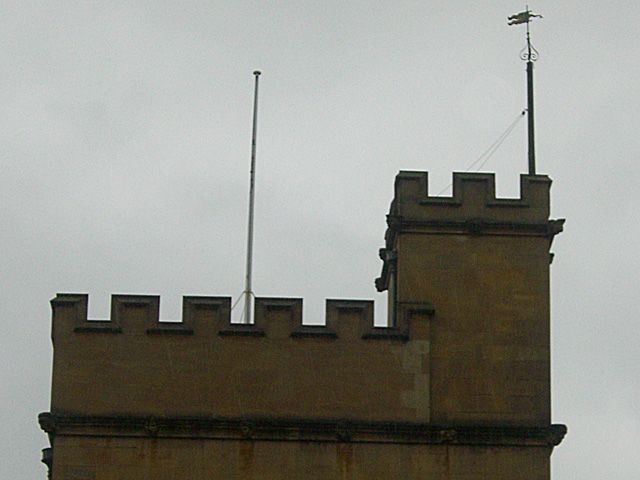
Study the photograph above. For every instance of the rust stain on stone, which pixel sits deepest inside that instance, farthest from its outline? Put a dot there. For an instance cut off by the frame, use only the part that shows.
(247, 460)
(447, 463)
(344, 459)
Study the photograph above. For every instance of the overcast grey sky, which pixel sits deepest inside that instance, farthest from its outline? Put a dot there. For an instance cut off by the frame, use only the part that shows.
(124, 150)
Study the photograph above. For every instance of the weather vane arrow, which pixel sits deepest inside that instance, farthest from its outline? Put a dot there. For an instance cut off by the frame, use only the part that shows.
(530, 55)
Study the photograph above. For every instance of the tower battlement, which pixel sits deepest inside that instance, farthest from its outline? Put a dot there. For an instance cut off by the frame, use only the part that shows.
(207, 317)
(134, 364)
(474, 197)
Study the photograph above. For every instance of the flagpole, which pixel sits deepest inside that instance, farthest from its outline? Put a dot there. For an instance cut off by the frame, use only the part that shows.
(248, 292)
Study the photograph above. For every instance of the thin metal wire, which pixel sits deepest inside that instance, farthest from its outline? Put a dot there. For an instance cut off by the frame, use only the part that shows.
(237, 301)
(488, 153)
(495, 149)
(235, 304)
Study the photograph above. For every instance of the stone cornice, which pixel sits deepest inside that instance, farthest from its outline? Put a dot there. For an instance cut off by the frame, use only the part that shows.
(476, 227)
(305, 430)
(473, 226)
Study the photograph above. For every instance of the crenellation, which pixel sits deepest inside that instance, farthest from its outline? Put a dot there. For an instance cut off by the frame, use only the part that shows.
(70, 308)
(210, 317)
(135, 314)
(278, 317)
(205, 315)
(350, 319)
(474, 197)
(139, 315)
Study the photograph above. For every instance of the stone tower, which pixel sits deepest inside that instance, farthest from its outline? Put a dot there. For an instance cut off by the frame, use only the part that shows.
(456, 387)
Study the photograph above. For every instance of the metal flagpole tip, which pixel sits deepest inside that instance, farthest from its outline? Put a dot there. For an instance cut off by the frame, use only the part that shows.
(257, 72)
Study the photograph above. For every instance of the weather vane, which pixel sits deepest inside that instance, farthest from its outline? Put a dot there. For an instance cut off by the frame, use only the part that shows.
(530, 55)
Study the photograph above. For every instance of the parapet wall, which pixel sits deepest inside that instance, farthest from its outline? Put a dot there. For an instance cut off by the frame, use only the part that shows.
(134, 364)
(473, 197)
(211, 317)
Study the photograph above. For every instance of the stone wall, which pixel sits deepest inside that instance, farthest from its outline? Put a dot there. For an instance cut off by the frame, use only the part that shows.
(457, 387)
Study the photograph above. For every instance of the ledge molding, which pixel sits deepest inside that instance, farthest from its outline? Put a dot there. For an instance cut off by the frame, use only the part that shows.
(301, 430)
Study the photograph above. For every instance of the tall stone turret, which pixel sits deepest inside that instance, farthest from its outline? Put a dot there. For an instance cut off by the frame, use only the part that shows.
(483, 264)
